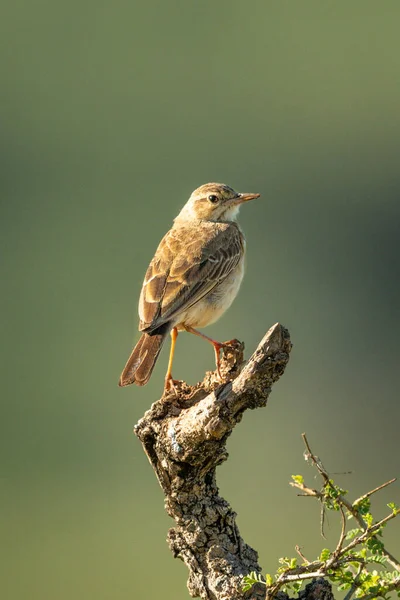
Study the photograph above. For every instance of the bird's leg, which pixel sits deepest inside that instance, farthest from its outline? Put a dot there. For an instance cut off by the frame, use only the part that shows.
(169, 381)
(217, 346)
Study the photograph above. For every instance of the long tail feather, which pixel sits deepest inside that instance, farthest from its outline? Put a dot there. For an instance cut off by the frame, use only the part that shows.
(141, 362)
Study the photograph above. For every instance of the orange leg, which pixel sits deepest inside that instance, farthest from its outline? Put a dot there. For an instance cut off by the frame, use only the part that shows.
(217, 346)
(169, 382)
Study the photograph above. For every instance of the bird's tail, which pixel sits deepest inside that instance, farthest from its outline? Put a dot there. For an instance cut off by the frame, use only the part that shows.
(141, 362)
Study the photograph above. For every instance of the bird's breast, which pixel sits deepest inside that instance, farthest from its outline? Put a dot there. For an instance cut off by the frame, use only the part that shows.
(210, 308)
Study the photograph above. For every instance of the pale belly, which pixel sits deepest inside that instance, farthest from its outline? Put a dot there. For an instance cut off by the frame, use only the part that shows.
(211, 308)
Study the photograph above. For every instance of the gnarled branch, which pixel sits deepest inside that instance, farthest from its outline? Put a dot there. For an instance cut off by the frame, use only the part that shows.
(184, 436)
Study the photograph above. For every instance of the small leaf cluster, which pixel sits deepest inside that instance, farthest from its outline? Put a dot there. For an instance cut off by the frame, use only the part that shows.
(288, 565)
(252, 578)
(394, 508)
(352, 567)
(332, 495)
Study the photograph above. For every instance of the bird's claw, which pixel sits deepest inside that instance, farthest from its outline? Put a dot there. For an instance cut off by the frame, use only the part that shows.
(169, 385)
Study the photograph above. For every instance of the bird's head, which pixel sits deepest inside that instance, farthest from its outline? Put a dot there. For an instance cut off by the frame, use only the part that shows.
(214, 202)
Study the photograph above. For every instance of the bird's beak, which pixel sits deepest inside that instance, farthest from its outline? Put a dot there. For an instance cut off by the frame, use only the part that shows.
(246, 197)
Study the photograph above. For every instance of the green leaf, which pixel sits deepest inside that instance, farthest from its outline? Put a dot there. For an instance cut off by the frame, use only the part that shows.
(363, 506)
(375, 545)
(288, 563)
(250, 579)
(394, 507)
(344, 586)
(246, 586)
(352, 533)
(269, 580)
(377, 558)
(325, 554)
(298, 479)
(368, 518)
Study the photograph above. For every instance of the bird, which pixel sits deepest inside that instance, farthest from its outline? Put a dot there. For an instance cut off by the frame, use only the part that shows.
(192, 280)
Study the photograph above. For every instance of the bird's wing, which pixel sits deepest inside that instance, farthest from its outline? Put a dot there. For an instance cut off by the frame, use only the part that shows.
(186, 267)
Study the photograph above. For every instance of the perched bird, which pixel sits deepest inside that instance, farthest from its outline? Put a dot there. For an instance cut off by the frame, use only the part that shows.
(193, 278)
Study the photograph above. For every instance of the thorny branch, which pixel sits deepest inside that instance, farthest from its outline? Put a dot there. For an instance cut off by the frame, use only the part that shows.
(352, 508)
(344, 555)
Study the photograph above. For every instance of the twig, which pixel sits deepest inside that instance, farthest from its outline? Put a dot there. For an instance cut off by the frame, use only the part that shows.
(352, 508)
(355, 583)
(299, 552)
(331, 496)
(377, 489)
(342, 534)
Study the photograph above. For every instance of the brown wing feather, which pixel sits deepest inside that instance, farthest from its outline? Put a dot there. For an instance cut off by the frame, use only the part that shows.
(185, 268)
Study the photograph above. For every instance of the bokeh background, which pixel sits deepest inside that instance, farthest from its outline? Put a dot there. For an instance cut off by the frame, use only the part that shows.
(112, 113)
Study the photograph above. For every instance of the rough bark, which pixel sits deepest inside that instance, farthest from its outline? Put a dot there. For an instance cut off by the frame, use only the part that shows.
(184, 436)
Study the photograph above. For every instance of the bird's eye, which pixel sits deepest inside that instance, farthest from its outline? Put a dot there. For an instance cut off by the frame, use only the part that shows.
(213, 198)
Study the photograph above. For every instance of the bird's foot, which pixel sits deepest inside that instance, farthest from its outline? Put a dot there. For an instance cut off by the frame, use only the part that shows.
(169, 385)
(218, 346)
(232, 349)
(235, 342)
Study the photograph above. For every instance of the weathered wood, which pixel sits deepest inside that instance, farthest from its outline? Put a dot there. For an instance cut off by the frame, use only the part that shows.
(184, 436)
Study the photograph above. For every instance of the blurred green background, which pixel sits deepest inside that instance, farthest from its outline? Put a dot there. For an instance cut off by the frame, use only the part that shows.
(112, 113)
